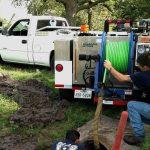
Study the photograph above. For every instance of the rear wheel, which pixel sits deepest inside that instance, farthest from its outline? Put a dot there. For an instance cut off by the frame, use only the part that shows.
(67, 94)
(52, 64)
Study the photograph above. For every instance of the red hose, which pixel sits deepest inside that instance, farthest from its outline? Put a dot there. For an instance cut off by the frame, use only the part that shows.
(120, 130)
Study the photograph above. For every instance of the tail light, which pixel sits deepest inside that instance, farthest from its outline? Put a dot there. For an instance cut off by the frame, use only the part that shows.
(59, 67)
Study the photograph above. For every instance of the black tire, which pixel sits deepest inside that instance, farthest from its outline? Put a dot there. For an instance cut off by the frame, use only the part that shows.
(1, 60)
(67, 94)
(52, 64)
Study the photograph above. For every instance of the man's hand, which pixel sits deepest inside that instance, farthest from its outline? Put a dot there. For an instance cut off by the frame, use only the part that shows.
(107, 65)
(119, 76)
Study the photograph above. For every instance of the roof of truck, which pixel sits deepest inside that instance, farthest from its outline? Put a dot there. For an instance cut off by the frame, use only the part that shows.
(45, 17)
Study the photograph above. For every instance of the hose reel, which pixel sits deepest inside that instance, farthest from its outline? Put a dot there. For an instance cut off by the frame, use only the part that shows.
(118, 54)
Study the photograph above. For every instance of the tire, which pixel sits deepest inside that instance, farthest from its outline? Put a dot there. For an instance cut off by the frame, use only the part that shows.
(52, 64)
(1, 60)
(67, 94)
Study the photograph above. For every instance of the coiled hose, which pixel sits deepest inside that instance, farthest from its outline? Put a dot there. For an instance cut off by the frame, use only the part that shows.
(117, 53)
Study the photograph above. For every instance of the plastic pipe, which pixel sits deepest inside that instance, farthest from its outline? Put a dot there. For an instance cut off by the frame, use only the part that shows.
(120, 130)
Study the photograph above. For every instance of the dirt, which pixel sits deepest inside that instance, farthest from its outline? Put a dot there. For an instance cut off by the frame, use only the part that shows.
(107, 132)
(38, 107)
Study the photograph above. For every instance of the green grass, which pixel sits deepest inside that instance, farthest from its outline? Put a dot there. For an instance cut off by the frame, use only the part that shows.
(73, 120)
(7, 107)
(76, 115)
(26, 72)
(146, 144)
(53, 131)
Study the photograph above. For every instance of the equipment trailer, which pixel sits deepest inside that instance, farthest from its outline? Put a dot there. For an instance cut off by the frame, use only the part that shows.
(79, 70)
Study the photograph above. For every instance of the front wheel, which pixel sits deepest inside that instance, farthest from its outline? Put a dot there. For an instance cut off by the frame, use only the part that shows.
(52, 64)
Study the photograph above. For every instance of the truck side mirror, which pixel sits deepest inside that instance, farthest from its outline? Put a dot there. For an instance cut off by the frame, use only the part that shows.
(4, 31)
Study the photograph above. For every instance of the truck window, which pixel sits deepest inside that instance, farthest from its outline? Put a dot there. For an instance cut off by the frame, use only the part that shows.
(45, 25)
(20, 28)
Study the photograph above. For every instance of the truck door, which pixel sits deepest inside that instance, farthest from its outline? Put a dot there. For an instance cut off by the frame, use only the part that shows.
(15, 46)
(44, 39)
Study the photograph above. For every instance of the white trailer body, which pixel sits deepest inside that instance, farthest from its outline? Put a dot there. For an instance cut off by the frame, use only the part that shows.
(67, 55)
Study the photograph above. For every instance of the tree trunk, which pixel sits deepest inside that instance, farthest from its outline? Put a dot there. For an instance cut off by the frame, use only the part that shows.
(90, 18)
(70, 10)
(71, 16)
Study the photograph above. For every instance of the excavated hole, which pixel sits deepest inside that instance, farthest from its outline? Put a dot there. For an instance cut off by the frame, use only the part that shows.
(89, 145)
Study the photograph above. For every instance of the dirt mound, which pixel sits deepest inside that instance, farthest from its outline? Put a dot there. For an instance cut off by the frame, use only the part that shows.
(37, 105)
(17, 142)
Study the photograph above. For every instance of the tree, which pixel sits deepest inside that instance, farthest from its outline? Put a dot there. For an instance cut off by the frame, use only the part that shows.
(72, 7)
(132, 9)
(126, 9)
(41, 7)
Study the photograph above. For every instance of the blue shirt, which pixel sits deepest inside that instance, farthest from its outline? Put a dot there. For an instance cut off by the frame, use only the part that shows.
(142, 81)
(66, 145)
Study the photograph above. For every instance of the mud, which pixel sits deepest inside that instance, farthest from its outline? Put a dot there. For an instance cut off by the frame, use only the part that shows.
(17, 142)
(38, 107)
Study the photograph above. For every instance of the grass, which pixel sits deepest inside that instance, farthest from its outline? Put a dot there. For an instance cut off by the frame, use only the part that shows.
(7, 107)
(146, 145)
(77, 114)
(26, 72)
(53, 131)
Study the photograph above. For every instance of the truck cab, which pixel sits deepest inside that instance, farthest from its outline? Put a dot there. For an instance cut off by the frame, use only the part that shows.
(30, 40)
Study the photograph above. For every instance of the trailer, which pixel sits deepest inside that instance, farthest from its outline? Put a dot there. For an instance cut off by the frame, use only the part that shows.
(79, 70)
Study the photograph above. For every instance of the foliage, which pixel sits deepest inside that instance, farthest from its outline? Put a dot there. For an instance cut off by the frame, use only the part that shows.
(132, 9)
(4, 22)
(99, 14)
(126, 9)
(68, 9)
(39, 7)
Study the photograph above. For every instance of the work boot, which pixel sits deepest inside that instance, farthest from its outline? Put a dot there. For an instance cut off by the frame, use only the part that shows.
(133, 140)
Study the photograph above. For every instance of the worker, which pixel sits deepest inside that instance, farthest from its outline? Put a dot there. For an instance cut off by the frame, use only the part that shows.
(71, 142)
(139, 111)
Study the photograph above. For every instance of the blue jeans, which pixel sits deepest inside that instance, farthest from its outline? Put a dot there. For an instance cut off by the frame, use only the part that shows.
(139, 113)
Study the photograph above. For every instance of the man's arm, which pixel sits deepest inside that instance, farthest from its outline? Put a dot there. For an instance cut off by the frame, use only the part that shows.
(119, 76)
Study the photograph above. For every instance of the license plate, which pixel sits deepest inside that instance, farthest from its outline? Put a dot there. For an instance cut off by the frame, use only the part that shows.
(128, 92)
(107, 102)
(85, 94)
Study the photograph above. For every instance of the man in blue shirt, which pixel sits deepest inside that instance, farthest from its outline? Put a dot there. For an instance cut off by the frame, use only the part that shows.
(139, 112)
(71, 142)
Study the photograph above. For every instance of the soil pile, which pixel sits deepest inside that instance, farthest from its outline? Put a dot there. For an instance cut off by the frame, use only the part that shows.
(38, 107)
(17, 142)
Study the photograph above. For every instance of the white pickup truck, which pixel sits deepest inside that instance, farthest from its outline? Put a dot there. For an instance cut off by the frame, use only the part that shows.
(31, 40)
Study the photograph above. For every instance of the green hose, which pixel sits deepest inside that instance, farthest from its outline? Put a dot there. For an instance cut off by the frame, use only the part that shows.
(117, 53)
